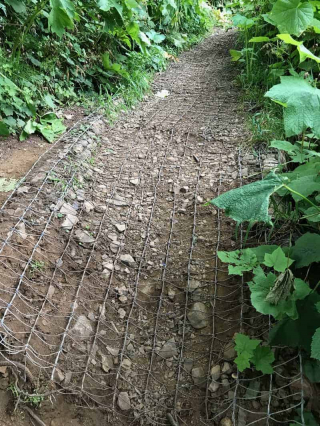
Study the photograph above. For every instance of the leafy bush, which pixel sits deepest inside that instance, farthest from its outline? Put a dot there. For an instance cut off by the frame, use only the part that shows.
(63, 51)
(280, 58)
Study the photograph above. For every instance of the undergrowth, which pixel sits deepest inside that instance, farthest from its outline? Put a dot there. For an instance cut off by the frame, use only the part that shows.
(56, 53)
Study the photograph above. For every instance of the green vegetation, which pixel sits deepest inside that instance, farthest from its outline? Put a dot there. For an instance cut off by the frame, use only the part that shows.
(279, 65)
(59, 52)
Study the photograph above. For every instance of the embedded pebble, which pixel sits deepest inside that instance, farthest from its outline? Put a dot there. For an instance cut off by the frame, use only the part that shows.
(198, 315)
(124, 402)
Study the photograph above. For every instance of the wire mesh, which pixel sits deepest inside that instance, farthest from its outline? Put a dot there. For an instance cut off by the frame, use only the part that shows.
(111, 288)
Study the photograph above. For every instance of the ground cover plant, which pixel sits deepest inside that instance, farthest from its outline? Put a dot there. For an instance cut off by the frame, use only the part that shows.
(57, 52)
(279, 60)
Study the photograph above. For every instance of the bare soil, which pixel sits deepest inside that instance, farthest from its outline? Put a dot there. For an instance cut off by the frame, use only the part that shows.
(112, 295)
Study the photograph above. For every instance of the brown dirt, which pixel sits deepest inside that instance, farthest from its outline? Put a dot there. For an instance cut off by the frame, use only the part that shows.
(152, 172)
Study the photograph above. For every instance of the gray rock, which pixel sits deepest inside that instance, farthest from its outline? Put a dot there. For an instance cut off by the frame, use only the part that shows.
(226, 368)
(58, 375)
(134, 182)
(66, 208)
(112, 351)
(122, 313)
(124, 402)
(21, 228)
(199, 377)
(188, 364)
(229, 351)
(169, 349)
(198, 315)
(107, 363)
(215, 372)
(214, 386)
(84, 237)
(121, 227)
(88, 207)
(83, 327)
(69, 222)
(127, 259)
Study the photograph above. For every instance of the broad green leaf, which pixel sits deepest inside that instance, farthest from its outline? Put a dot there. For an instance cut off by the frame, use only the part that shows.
(315, 23)
(302, 105)
(243, 361)
(17, 5)
(155, 37)
(259, 39)
(235, 55)
(61, 16)
(260, 251)
(245, 344)
(106, 5)
(312, 214)
(244, 348)
(242, 21)
(244, 260)
(133, 31)
(306, 54)
(283, 146)
(306, 250)
(299, 332)
(292, 16)
(315, 345)
(278, 260)
(4, 131)
(7, 185)
(144, 38)
(288, 39)
(311, 369)
(262, 358)
(250, 202)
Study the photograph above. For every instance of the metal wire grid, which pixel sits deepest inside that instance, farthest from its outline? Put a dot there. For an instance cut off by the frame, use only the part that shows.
(158, 287)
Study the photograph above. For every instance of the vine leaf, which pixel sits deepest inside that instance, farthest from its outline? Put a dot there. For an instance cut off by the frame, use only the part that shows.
(262, 358)
(306, 250)
(61, 16)
(18, 6)
(250, 202)
(301, 102)
(244, 348)
(292, 16)
(277, 260)
(315, 345)
(244, 260)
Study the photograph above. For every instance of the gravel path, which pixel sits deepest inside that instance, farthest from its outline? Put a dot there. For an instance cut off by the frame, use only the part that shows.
(111, 286)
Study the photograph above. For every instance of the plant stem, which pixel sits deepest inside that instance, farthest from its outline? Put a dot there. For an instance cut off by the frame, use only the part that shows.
(302, 196)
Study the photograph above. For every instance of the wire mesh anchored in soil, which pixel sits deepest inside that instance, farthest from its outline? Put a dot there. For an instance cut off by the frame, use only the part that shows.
(111, 288)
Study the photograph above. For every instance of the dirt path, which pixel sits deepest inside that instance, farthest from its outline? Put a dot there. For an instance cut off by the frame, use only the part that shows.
(111, 287)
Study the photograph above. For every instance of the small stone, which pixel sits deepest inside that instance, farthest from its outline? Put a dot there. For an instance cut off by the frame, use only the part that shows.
(122, 313)
(126, 363)
(21, 228)
(121, 227)
(127, 259)
(123, 299)
(226, 422)
(256, 405)
(58, 375)
(171, 293)
(68, 209)
(88, 207)
(198, 315)
(124, 401)
(214, 386)
(188, 364)
(215, 372)
(69, 222)
(184, 189)
(199, 377)
(84, 237)
(134, 182)
(83, 327)
(112, 351)
(107, 363)
(169, 349)
(226, 368)
(229, 351)
(225, 383)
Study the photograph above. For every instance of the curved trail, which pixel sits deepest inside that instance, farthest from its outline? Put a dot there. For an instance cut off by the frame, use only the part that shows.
(111, 289)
